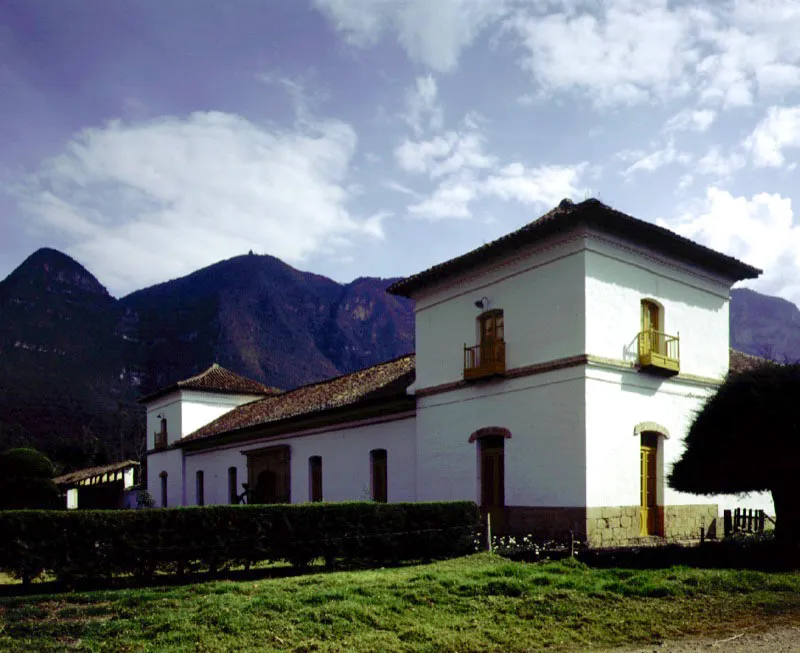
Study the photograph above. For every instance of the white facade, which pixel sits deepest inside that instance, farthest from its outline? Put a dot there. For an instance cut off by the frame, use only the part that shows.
(571, 405)
(185, 411)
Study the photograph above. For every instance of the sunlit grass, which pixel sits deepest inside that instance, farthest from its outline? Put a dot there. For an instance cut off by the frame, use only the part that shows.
(481, 602)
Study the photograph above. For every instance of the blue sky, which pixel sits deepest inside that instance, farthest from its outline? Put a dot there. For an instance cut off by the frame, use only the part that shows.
(379, 137)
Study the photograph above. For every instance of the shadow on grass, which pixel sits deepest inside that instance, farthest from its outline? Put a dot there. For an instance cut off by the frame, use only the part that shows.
(278, 570)
(745, 554)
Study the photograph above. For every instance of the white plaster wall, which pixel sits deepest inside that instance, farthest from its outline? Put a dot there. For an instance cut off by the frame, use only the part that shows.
(541, 294)
(187, 411)
(170, 407)
(696, 308)
(616, 401)
(345, 463)
(201, 408)
(127, 480)
(72, 498)
(170, 461)
(544, 458)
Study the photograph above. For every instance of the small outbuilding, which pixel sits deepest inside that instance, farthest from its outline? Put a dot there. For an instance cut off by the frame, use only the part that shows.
(106, 487)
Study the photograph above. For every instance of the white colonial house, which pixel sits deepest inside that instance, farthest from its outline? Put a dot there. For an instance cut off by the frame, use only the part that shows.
(557, 371)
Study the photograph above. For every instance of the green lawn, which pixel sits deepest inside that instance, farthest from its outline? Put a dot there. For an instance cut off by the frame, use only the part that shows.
(479, 603)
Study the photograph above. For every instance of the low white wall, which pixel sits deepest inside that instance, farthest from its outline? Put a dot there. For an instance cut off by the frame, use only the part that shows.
(544, 458)
(345, 463)
(616, 402)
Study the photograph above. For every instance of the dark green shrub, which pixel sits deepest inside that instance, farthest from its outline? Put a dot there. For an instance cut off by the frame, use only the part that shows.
(96, 544)
(25, 480)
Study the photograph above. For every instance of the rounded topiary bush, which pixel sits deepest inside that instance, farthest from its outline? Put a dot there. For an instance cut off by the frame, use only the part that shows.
(26, 480)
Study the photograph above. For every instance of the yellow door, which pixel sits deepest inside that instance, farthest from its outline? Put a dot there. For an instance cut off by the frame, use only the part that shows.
(650, 323)
(648, 459)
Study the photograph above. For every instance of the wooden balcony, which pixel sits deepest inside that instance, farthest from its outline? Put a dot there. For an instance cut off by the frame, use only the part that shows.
(659, 352)
(487, 359)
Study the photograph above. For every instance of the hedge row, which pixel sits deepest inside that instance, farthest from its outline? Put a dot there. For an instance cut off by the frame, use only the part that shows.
(94, 544)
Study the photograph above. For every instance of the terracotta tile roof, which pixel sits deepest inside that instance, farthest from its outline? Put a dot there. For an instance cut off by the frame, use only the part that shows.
(592, 213)
(383, 380)
(88, 472)
(216, 379)
(741, 362)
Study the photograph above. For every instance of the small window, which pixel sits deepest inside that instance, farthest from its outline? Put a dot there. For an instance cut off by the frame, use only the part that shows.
(315, 478)
(233, 495)
(163, 477)
(199, 488)
(379, 475)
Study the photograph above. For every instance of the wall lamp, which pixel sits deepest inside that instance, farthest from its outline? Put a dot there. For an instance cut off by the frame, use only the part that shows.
(482, 303)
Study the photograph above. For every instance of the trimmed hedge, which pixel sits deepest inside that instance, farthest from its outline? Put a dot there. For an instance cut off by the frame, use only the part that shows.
(94, 544)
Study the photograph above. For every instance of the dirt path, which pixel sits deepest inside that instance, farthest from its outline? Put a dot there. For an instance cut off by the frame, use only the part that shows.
(760, 638)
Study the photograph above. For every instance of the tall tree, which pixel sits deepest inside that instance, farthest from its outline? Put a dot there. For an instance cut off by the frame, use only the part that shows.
(747, 439)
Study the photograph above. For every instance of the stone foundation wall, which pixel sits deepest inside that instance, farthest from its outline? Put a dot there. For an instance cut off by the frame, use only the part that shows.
(608, 526)
(546, 523)
(611, 526)
(685, 522)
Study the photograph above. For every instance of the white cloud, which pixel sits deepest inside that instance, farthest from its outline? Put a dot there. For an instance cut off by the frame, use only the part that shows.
(717, 164)
(149, 201)
(444, 155)
(432, 33)
(547, 184)
(698, 120)
(450, 199)
(622, 52)
(759, 231)
(422, 108)
(657, 159)
(544, 185)
(632, 52)
(778, 131)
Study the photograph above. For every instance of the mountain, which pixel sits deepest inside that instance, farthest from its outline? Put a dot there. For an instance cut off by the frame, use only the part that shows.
(75, 359)
(65, 384)
(764, 326)
(268, 321)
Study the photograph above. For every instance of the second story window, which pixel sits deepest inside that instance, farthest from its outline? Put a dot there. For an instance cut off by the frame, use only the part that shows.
(161, 435)
(488, 357)
(658, 351)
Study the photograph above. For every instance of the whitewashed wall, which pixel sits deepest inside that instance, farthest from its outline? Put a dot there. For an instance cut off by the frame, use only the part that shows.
(541, 294)
(616, 401)
(617, 279)
(544, 458)
(170, 407)
(201, 408)
(186, 411)
(345, 463)
(170, 461)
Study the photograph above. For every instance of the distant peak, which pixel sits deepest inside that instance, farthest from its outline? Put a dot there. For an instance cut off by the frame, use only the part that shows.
(56, 268)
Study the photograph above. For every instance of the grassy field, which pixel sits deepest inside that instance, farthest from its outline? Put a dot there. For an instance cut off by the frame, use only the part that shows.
(479, 603)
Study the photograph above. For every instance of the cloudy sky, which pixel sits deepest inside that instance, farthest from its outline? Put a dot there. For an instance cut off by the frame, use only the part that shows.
(377, 137)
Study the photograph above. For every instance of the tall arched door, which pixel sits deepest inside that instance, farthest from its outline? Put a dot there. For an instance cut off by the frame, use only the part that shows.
(649, 481)
(492, 480)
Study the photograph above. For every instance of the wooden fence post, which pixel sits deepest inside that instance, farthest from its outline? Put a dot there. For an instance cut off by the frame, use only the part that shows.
(728, 522)
(489, 531)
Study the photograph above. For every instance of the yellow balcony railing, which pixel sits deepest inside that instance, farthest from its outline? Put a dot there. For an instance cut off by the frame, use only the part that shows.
(659, 352)
(486, 359)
